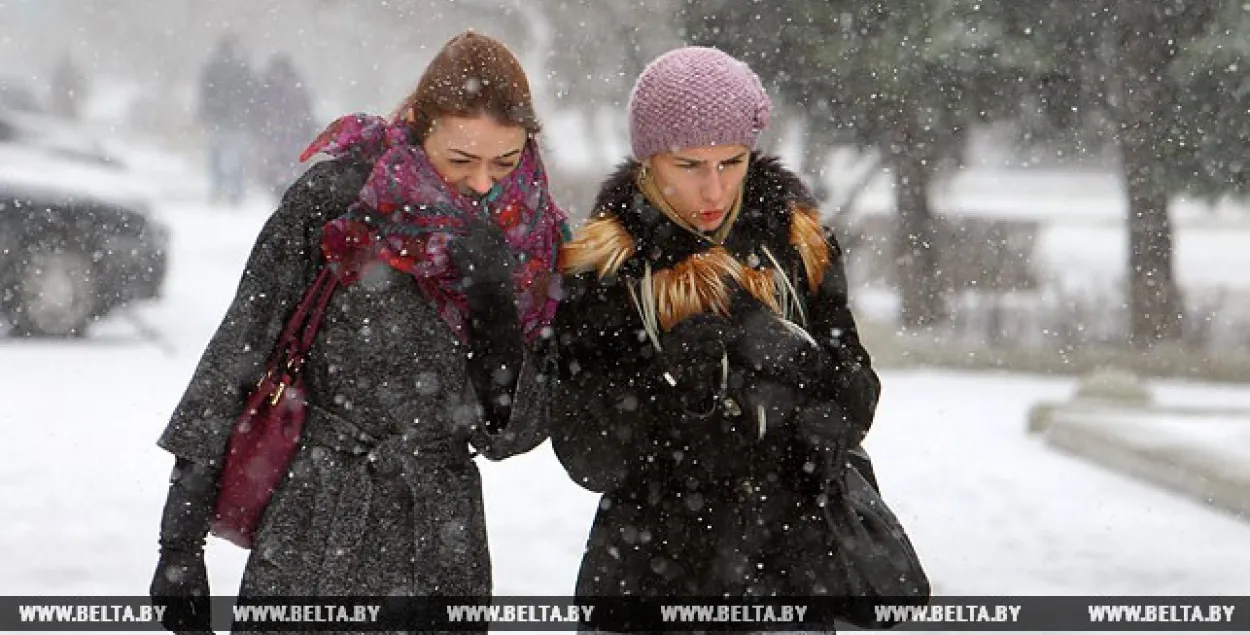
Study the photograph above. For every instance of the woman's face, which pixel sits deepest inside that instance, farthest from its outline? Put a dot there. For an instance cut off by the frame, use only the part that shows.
(701, 184)
(472, 153)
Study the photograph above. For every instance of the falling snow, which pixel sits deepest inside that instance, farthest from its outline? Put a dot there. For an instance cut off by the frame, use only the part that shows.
(1100, 158)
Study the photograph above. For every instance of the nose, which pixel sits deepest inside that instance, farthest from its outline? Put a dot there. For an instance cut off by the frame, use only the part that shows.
(714, 187)
(479, 181)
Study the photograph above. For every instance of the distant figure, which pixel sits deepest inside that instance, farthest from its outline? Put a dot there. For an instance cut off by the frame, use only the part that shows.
(226, 88)
(69, 89)
(283, 124)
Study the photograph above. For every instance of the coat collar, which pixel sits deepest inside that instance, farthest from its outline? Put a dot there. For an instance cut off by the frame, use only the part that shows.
(776, 246)
(770, 196)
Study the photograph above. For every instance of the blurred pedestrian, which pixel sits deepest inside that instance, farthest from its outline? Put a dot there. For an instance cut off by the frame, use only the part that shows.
(68, 89)
(225, 101)
(284, 123)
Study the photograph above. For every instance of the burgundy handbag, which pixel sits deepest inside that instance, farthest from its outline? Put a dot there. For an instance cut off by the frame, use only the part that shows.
(266, 436)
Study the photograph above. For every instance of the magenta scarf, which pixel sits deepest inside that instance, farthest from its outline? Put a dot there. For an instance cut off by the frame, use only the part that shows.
(406, 215)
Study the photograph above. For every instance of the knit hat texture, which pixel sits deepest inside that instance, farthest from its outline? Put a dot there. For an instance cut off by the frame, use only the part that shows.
(696, 96)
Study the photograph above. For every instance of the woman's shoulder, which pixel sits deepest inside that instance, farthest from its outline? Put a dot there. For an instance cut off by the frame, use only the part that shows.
(323, 192)
(331, 181)
(778, 204)
(773, 185)
(604, 241)
(616, 192)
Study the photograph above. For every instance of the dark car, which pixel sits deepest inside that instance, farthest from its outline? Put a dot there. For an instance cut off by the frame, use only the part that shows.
(77, 235)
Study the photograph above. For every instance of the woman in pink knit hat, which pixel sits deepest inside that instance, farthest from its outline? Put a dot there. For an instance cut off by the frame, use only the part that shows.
(713, 386)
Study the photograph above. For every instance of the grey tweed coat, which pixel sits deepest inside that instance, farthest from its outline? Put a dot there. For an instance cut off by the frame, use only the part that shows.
(383, 496)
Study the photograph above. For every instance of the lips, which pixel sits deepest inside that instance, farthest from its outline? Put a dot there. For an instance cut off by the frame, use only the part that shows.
(711, 215)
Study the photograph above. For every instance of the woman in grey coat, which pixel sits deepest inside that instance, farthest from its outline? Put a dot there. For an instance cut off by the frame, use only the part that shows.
(432, 342)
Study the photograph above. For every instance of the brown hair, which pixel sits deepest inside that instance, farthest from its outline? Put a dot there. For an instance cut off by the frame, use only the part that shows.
(472, 75)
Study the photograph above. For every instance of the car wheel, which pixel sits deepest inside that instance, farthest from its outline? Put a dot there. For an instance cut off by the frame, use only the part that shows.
(56, 294)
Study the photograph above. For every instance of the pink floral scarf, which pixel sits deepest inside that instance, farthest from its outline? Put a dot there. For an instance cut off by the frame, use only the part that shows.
(407, 215)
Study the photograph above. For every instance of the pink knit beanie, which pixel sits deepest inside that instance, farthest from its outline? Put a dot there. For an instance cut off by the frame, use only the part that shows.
(696, 96)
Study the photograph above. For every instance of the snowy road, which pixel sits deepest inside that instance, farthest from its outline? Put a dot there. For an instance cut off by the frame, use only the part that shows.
(992, 511)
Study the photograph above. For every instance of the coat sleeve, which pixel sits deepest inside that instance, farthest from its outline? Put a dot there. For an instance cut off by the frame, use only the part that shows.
(603, 407)
(848, 366)
(528, 423)
(278, 272)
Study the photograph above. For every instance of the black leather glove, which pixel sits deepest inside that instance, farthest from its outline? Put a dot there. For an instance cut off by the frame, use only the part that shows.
(180, 583)
(692, 363)
(496, 350)
(824, 426)
(774, 347)
(767, 405)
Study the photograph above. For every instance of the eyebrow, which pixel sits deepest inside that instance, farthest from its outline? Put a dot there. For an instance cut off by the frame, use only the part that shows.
(704, 161)
(474, 156)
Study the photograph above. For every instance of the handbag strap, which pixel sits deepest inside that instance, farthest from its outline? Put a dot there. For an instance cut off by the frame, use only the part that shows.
(292, 344)
(328, 283)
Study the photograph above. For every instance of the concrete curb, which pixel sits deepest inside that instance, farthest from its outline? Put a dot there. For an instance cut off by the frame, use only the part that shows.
(1198, 453)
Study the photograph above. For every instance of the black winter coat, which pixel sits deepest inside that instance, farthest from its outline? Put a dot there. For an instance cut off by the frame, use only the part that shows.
(693, 505)
(383, 496)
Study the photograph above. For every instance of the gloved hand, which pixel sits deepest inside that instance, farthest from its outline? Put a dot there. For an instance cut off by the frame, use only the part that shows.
(771, 406)
(692, 363)
(181, 586)
(496, 349)
(775, 347)
(482, 256)
(767, 405)
(180, 583)
(824, 426)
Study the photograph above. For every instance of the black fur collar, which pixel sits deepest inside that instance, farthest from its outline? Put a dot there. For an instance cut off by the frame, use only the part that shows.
(769, 198)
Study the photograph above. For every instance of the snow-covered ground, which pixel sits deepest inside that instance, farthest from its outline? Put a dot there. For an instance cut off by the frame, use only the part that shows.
(991, 510)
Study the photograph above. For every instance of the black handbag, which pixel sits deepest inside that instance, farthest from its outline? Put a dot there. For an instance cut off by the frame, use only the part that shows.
(872, 552)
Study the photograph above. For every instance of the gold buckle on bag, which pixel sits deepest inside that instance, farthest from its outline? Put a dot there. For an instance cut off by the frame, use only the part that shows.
(292, 367)
(277, 394)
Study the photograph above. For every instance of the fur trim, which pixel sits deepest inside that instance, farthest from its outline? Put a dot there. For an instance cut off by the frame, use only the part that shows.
(699, 284)
(695, 285)
(602, 246)
(762, 284)
(808, 237)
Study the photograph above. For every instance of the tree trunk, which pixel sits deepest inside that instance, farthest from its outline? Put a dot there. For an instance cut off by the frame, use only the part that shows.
(1155, 306)
(915, 245)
